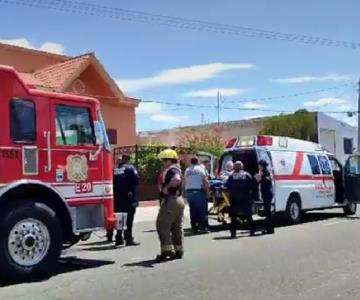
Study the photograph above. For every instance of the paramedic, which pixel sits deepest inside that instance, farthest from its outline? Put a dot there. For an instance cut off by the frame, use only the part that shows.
(125, 182)
(229, 168)
(170, 217)
(240, 187)
(197, 193)
(266, 189)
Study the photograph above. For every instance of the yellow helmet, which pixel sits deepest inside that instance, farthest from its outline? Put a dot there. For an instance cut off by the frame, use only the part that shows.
(168, 154)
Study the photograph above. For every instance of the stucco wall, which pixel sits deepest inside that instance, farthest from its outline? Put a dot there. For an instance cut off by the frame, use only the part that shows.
(25, 60)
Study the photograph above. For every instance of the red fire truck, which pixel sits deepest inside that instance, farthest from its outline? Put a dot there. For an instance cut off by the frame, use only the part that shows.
(55, 175)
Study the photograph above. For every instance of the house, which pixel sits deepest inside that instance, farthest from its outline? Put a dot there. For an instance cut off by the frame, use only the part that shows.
(81, 75)
(335, 136)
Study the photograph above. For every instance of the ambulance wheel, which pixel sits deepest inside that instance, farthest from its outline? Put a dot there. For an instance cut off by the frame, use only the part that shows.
(350, 209)
(30, 241)
(293, 211)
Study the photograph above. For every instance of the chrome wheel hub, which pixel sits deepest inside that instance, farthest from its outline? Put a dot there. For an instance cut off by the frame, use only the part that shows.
(28, 242)
(294, 211)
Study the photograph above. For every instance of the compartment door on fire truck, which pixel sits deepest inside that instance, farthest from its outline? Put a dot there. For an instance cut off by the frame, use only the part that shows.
(352, 178)
(75, 172)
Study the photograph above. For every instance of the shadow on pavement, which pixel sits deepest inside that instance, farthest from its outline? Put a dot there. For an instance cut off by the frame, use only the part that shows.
(98, 243)
(103, 248)
(66, 265)
(144, 263)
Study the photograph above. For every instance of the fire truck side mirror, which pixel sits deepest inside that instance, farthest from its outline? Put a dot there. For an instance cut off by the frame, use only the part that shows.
(98, 133)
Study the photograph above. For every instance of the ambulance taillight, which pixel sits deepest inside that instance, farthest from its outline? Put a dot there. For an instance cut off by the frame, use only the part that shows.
(264, 141)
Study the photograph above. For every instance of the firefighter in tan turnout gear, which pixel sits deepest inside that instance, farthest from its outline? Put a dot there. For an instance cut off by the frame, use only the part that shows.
(171, 212)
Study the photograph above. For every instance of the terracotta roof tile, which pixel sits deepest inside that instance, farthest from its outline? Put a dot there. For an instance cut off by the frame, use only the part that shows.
(29, 78)
(55, 76)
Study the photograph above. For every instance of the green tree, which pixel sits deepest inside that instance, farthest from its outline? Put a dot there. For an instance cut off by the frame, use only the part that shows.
(300, 125)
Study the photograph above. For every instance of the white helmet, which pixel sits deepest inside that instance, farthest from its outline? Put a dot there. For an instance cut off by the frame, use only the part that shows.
(229, 165)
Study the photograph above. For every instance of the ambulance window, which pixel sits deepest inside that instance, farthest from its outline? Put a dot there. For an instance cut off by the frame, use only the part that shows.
(74, 126)
(315, 168)
(324, 165)
(22, 121)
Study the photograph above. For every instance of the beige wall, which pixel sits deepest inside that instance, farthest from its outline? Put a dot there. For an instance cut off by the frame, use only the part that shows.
(172, 137)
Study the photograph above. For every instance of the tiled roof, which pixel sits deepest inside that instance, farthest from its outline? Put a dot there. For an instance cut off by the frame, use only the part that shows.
(30, 79)
(55, 76)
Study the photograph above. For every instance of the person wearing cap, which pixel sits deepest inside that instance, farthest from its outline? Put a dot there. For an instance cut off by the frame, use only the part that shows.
(229, 168)
(125, 183)
(169, 223)
(266, 188)
(240, 188)
(197, 193)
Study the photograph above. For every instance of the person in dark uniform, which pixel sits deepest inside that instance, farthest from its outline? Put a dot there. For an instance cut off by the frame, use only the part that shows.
(240, 187)
(125, 181)
(267, 195)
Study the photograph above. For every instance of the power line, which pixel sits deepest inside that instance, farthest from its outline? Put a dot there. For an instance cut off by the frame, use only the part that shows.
(97, 10)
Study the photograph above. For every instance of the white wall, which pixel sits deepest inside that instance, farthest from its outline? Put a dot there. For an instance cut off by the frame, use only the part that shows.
(332, 132)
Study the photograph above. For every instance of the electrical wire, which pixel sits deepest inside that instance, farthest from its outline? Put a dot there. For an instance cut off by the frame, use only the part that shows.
(97, 10)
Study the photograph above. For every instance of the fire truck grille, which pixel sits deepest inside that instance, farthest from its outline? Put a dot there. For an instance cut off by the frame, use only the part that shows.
(88, 217)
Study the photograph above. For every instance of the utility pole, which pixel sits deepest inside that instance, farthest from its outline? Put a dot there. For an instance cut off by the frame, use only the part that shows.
(358, 116)
(218, 107)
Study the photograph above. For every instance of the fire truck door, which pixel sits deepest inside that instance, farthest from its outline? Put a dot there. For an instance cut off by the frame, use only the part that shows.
(352, 178)
(76, 171)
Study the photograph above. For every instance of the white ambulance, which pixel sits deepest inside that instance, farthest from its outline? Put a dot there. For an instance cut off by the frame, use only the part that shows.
(305, 176)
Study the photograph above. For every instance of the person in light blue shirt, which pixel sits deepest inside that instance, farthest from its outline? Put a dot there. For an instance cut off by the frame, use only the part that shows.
(197, 192)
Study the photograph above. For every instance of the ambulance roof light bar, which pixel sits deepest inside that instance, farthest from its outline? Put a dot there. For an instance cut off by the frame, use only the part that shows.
(231, 143)
(264, 140)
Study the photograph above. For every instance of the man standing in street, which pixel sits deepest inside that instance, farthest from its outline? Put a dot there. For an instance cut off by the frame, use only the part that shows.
(125, 182)
(197, 192)
(169, 223)
(240, 187)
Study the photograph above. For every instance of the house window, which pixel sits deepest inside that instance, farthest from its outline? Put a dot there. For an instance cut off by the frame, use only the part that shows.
(22, 121)
(112, 134)
(315, 168)
(348, 146)
(74, 126)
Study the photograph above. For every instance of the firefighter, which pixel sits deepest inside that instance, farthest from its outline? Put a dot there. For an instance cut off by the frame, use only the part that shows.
(266, 189)
(240, 187)
(197, 193)
(170, 218)
(125, 181)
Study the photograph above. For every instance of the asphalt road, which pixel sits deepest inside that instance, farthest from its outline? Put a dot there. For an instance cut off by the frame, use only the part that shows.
(319, 259)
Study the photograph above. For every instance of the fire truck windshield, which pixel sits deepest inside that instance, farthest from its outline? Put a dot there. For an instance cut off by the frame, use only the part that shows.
(105, 139)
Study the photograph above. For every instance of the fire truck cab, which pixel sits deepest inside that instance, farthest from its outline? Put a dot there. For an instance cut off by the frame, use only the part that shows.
(55, 175)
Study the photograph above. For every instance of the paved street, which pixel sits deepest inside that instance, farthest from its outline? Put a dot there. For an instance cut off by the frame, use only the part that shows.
(319, 259)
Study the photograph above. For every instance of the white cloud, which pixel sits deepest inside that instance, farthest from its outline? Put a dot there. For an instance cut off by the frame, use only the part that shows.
(345, 107)
(183, 75)
(226, 92)
(164, 117)
(303, 79)
(47, 46)
(251, 117)
(324, 102)
(149, 108)
(253, 105)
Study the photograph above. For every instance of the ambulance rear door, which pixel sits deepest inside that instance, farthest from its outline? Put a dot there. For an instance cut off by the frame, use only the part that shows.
(352, 178)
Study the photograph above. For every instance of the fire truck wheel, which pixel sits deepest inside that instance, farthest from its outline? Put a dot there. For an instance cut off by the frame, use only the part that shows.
(350, 209)
(293, 211)
(30, 241)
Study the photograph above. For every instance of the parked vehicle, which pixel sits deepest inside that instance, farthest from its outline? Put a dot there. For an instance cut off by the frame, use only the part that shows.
(55, 175)
(305, 176)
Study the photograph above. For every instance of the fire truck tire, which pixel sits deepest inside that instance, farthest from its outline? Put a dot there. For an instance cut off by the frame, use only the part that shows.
(293, 213)
(30, 241)
(350, 209)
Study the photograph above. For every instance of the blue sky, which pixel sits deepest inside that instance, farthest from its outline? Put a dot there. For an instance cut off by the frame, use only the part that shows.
(174, 65)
